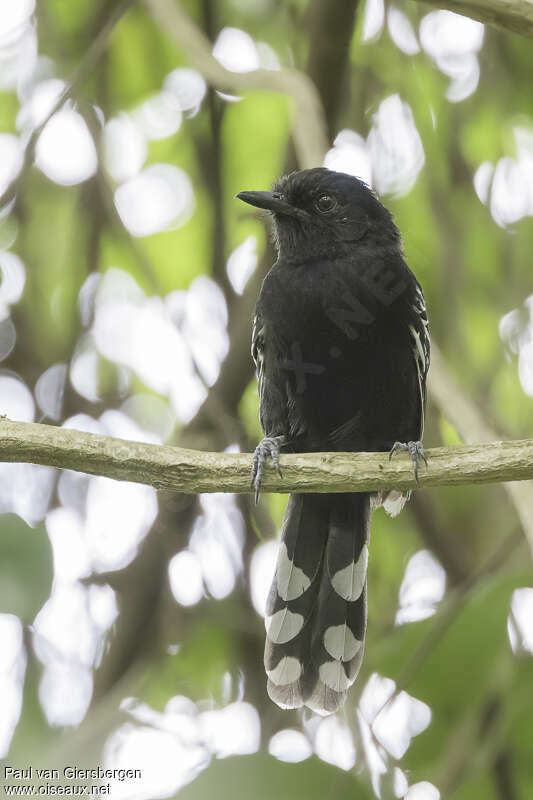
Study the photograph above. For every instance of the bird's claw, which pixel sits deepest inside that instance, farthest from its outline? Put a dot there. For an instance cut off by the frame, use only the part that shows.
(269, 446)
(415, 450)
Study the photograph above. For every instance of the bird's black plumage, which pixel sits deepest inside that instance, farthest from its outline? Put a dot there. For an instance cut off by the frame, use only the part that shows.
(341, 346)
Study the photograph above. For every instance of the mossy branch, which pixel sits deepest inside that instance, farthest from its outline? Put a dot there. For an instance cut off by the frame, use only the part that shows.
(192, 471)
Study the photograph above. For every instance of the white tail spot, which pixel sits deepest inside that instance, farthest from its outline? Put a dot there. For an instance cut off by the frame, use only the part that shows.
(333, 675)
(292, 581)
(283, 626)
(287, 671)
(340, 642)
(349, 582)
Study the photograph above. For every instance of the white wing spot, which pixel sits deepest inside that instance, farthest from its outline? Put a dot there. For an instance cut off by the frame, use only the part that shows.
(419, 348)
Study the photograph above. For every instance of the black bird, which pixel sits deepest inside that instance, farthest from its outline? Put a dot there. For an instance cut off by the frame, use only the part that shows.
(341, 346)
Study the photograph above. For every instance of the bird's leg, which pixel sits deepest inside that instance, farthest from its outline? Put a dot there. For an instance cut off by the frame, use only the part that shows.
(269, 446)
(415, 450)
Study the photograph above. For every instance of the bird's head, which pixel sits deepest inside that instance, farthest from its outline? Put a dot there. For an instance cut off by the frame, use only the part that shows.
(318, 212)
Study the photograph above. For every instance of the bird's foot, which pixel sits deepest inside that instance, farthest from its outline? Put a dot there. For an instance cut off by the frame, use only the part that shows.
(267, 447)
(415, 450)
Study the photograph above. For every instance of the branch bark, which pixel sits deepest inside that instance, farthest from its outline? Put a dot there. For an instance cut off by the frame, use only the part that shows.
(193, 471)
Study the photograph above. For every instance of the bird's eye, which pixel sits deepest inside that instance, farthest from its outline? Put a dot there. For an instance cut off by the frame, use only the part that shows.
(325, 203)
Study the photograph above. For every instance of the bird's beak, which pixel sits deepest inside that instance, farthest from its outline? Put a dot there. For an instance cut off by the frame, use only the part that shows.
(267, 201)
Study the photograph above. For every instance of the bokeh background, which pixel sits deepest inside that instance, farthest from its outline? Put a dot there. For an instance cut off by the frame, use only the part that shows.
(131, 630)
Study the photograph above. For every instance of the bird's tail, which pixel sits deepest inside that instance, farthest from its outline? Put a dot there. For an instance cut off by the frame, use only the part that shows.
(316, 608)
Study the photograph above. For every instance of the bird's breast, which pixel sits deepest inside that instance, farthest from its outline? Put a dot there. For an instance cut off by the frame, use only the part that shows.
(341, 351)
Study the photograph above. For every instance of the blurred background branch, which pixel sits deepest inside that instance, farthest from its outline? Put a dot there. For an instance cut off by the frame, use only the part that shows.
(82, 72)
(308, 127)
(515, 16)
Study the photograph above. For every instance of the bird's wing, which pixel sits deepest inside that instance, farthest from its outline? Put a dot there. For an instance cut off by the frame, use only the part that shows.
(419, 330)
(278, 409)
(258, 348)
